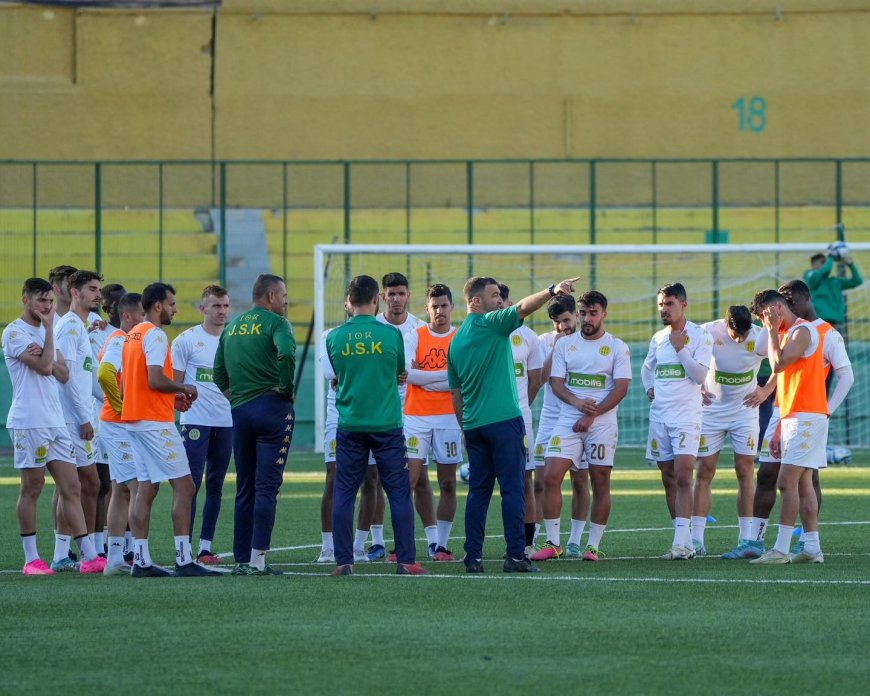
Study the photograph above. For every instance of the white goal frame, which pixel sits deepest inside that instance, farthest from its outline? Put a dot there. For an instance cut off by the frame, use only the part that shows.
(321, 251)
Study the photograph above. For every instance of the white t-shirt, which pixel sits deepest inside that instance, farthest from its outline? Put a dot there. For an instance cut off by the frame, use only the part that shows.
(98, 338)
(834, 347)
(677, 397)
(444, 421)
(193, 353)
(411, 322)
(552, 406)
(155, 345)
(589, 368)
(35, 398)
(527, 356)
(733, 372)
(77, 395)
(328, 375)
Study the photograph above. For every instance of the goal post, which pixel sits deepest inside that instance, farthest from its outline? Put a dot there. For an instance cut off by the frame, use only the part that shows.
(715, 276)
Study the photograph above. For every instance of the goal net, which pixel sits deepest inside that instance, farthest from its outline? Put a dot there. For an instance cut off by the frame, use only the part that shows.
(715, 276)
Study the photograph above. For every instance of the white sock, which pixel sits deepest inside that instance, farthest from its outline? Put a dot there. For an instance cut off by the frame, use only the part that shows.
(553, 533)
(141, 554)
(30, 551)
(258, 559)
(204, 545)
(682, 535)
(128, 542)
(326, 540)
(758, 529)
(537, 532)
(444, 529)
(359, 541)
(183, 552)
(577, 527)
(698, 525)
(596, 531)
(378, 534)
(811, 542)
(431, 535)
(99, 542)
(783, 538)
(61, 546)
(745, 524)
(803, 534)
(116, 550)
(86, 546)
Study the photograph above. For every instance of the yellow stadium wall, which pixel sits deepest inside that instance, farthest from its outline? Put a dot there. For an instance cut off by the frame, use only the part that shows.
(449, 79)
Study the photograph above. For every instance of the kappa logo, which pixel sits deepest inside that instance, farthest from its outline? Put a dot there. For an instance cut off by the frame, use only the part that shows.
(805, 445)
(604, 350)
(200, 344)
(719, 342)
(806, 434)
(517, 340)
(126, 457)
(194, 434)
(435, 359)
(572, 348)
(750, 346)
(165, 433)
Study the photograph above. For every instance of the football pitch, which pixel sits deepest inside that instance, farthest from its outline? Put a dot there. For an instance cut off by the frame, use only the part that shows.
(627, 624)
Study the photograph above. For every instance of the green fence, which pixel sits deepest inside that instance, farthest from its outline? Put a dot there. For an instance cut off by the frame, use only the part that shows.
(192, 223)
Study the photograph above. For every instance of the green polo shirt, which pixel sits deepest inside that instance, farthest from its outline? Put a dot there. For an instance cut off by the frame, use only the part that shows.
(256, 355)
(826, 290)
(367, 357)
(481, 365)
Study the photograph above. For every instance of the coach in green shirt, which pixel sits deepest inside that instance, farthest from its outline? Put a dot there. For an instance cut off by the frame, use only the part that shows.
(368, 359)
(253, 367)
(480, 372)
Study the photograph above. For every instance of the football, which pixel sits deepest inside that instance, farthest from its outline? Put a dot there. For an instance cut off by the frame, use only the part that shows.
(837, 454)
(463, 472)
(838, 250)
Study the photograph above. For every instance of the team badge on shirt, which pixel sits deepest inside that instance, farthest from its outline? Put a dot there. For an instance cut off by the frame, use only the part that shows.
(517, 340)
(750, 346)
(194, 434)
(604, 350)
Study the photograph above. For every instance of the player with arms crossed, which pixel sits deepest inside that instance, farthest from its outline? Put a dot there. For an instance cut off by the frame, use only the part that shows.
(207, 427)
(38, 430)
(114, 434)
(430, 423)
(674, 369)
(796, 356)
(731, 400)
(590, 374)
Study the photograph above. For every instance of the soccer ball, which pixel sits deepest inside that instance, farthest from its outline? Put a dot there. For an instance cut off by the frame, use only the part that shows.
(463, 473)
(837, 454)
(838, 250)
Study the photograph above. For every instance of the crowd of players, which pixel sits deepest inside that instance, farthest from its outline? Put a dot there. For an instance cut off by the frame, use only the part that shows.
(703, 387)
(95, 401)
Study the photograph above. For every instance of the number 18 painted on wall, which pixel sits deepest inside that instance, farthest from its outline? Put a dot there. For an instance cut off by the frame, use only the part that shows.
(752, 114)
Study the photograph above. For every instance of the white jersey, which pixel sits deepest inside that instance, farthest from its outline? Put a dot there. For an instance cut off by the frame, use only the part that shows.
(76, 396)
(97, 339)
(733, 372)
(444, 421)
(834, 347)
(677, 397)
(193, 353)
(589, 369)
(411, 322)
(329, 375)
(35, 397)
(527, 356)
(552, 405)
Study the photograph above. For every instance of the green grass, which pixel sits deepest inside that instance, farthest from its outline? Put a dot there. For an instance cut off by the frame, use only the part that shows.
(630, 623)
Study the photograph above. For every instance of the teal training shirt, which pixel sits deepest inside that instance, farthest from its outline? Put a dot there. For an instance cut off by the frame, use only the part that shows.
(367, 357)
(256, 355)
(481, 365)
(826, 290)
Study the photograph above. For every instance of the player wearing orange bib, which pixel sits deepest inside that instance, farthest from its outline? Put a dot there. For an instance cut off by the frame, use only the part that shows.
(795, 351)
(150, 397)
(430, 423)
